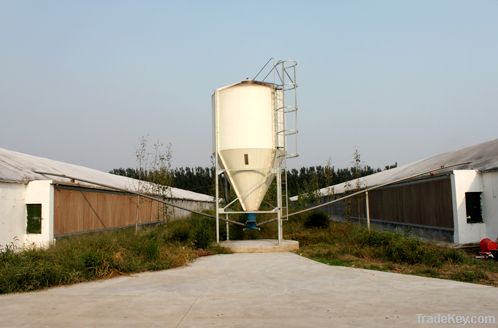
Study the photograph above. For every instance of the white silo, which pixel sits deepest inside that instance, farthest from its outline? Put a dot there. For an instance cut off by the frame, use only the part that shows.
(250, 145)
(246, 123)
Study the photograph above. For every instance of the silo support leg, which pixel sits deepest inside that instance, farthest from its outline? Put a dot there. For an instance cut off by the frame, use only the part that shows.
(279, 220)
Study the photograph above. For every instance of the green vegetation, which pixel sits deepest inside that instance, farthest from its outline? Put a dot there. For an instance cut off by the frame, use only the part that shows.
(302, 181)
(348, 244)
(352, 245)
(318, 220)
(107, 254)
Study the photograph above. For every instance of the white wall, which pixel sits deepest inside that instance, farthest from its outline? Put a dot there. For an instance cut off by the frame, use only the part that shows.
(41, 192)
(490, 203)
(176, 213)
(12, 213)
(463, 181)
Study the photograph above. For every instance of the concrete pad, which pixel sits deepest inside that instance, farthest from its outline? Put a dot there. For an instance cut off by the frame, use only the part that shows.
(251, 290)
(260, 246)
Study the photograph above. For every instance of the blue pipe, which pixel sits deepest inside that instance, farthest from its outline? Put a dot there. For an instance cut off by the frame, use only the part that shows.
(251, 221)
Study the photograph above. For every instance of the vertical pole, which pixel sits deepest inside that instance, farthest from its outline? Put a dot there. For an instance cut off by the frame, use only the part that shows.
(367, 210)
(278, 164)
(216, 167)
(217, 207)
(228, 233)
(225, 181)
(279, 204)
(138, 210)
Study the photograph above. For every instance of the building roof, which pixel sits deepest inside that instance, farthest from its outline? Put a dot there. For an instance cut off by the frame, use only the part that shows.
(20, 167)
(482, 157)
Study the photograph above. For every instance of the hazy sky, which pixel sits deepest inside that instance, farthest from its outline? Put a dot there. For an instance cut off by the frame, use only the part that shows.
(82, 81)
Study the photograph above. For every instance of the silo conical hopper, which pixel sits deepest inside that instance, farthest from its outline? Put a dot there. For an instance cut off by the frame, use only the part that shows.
(247, 144)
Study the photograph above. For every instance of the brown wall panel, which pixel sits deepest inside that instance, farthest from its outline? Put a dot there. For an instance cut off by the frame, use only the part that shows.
(426, 203)
(81, 210)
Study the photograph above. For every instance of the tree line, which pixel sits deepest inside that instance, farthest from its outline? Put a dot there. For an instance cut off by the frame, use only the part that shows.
(299, 181)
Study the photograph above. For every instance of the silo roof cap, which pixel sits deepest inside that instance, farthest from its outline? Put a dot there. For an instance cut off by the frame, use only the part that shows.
(245, 82)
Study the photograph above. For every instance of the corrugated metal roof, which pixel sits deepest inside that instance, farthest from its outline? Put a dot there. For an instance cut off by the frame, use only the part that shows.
(481, 157)
(20, 167)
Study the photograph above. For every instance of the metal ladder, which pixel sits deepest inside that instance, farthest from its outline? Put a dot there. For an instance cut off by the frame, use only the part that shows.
(284, 77)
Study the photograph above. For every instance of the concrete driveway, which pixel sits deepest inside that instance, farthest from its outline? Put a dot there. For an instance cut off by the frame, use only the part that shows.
(254, 290)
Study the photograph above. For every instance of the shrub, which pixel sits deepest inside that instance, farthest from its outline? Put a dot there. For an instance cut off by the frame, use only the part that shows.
(180, 232)
(151, 249)
(103, 255)
(373, 238)
(318, 220)
(404, 250)
(454, 256)
(203, 232)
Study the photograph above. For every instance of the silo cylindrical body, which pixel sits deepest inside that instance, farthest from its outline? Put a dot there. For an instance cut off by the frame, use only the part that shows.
(247, 140)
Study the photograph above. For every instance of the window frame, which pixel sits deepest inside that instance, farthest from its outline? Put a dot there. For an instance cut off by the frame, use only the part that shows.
(473, 207)
(33, 227)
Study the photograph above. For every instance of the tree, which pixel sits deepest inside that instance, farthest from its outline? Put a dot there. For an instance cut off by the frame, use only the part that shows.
(153, 165)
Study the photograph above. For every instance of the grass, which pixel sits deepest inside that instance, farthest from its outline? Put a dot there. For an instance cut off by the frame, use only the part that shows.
(348, 244)
(352, 245)
(105, 255)
(109, 254)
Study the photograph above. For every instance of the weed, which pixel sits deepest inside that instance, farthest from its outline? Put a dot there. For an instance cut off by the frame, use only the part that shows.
(455, 256)
(427, 272)
(203, 232)
(335, 261)
(349, 244)
(468, 275)
(103, 255)
(180, 231)
(151, 249)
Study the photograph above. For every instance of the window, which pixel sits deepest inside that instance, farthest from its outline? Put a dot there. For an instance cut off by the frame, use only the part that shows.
(473, 207)
(34, 218)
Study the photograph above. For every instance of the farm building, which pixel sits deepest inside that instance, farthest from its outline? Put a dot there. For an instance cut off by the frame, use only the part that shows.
(457, 203)
(39, 208)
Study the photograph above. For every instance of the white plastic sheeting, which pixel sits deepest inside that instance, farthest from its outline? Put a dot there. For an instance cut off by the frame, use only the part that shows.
(20, 167)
